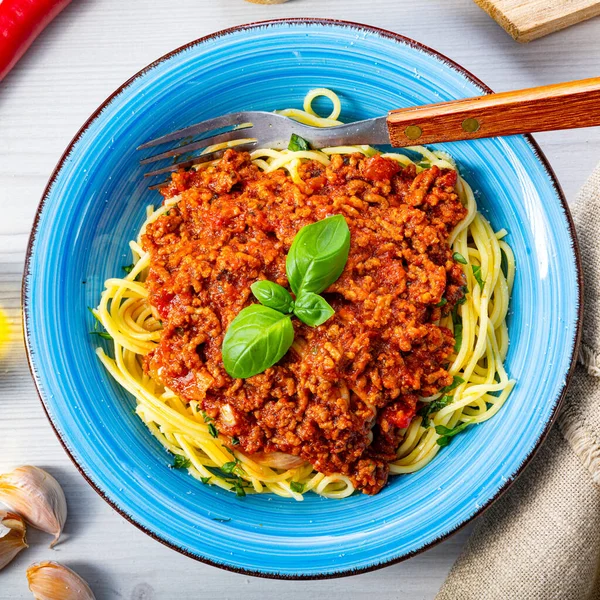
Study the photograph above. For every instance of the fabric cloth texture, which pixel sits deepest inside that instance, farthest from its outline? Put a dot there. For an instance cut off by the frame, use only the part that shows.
(541, 540)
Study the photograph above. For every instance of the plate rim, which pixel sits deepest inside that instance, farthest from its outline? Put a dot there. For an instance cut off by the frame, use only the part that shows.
(387, 34)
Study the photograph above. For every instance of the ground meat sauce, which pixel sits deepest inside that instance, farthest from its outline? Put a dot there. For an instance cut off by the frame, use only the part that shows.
(233, 226)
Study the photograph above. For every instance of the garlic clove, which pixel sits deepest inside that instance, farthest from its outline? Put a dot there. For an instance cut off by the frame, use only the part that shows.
(12, 537)
(37, 496)
(52, 581)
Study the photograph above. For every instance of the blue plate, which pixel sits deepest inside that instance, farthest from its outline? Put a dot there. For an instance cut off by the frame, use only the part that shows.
(95, 203)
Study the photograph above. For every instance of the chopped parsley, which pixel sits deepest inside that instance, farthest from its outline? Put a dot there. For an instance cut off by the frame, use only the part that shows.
(181, 462)
(234, 441)
(477, 275)
(459, 258)
(213, 430)
(128, 268)
(205, 479)
(297, 143)
(297, 487)
(206, 418)
(441, 303)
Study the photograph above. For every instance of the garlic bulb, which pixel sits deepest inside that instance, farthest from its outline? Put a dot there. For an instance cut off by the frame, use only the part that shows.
(53, 581)
(12, 537)
(37, 496)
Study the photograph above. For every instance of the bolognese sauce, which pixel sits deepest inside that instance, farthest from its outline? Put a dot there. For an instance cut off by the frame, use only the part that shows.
(343, 395)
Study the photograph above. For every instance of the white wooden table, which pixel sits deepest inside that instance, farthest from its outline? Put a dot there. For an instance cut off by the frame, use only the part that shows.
(82, 57)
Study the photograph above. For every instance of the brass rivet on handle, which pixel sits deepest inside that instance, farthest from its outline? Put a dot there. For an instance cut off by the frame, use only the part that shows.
(412, 132)
(470, 125)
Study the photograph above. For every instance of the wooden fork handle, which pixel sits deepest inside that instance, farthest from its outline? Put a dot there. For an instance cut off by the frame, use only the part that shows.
(560, 106)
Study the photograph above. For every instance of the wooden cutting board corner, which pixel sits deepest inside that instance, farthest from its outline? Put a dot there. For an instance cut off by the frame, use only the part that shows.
(527, 20)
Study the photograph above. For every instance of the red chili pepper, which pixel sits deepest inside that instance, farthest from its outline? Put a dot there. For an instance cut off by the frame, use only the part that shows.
(21, 21)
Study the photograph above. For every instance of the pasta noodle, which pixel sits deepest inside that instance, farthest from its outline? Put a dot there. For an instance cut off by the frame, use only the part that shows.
(479, 325)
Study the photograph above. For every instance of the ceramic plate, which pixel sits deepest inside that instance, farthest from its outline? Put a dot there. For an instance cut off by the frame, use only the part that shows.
(95, 203)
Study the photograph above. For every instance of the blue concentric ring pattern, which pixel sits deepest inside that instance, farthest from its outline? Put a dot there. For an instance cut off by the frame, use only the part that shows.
(96, 203)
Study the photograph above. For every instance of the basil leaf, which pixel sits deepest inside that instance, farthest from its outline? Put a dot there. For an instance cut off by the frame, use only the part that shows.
(447, 432)
(205, 479)
(256, 339)
(239, 488)
(297, 143)
(296, 486)
(456, 381)
(459, 258)
(312, 309)
(272, 295)
(318, 255)
(228, 467)
(443, 441)
(181, 462)
(434, 407)
(477, 275)
(458, 334)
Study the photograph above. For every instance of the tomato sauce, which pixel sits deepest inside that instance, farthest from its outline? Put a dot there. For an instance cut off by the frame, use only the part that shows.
(344, 394)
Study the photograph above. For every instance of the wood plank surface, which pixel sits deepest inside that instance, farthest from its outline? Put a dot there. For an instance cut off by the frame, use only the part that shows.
(80, 59)
(527, 20)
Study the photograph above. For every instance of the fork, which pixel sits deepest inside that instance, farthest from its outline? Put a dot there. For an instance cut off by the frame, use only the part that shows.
(567, 105)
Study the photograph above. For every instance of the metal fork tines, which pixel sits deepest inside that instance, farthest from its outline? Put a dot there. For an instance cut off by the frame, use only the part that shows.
(254, 129)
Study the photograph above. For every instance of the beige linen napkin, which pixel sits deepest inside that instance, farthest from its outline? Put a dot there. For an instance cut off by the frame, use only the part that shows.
(541, 540)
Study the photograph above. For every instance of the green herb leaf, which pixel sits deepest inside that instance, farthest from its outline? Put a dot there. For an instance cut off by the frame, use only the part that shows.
(458, 334)
(256, 339)
(447, 432)
(221, 520)
(205, 479)
(229, 467)
(459, 258)
(477, 275)
(103, 334)
(456, 381)
(206, 418)
(312, 309)
(213, 430)
(273, 295)
(297, 487)
(239, 488)
(424, 165)
(181, 462)
(443, 441)
(433, 407)
(318, 255)
(234, 441)
(441, 303)
(95, 315)
(128, 268)
(297, 143)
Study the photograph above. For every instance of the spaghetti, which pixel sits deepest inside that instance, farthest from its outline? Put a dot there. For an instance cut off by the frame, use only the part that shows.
(480, 382)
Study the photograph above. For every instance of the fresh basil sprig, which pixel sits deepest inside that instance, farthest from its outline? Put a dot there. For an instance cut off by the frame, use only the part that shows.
(261, 334)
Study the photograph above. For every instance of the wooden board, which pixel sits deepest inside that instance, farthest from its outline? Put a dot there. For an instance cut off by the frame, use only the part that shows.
(527, 20)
